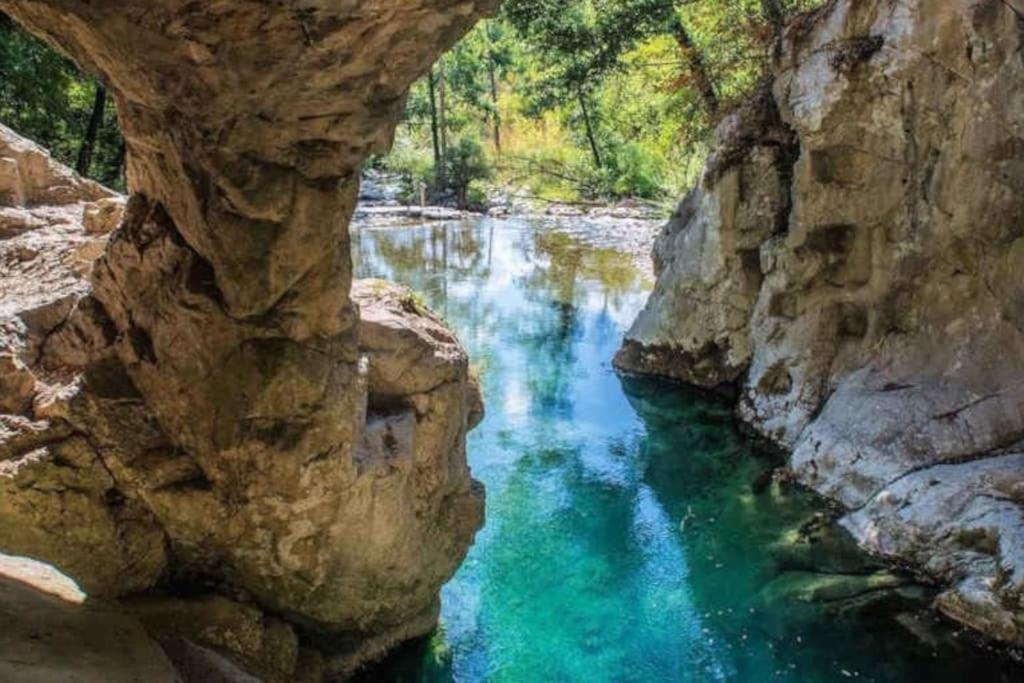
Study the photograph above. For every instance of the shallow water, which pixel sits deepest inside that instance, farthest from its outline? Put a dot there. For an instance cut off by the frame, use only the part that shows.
(624, 540)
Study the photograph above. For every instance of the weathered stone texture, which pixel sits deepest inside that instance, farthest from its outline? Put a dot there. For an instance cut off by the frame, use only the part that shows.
(195, 381)
(53, 633)
(865, 298)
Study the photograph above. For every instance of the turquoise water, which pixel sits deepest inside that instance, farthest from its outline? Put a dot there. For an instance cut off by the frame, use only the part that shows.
(631, 533)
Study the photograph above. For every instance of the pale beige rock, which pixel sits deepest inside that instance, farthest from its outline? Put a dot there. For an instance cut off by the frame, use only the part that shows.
(29, 178)
(973, 509)
(17, 384)
(878, 328)
(707, 258)
(209, 347)
(52, 634)
(100, 218)
(59, 504)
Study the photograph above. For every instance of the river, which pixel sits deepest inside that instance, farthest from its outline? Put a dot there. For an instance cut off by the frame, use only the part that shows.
(632, 533)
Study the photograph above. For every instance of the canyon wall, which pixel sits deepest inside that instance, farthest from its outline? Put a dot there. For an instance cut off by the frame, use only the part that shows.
(194, 407)
(850, 269)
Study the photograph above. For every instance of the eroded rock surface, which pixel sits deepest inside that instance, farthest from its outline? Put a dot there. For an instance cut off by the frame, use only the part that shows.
(850, 267)
(192, 399)
(52, 634)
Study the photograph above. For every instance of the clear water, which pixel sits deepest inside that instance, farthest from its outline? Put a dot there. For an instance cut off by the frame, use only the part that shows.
(624, 540)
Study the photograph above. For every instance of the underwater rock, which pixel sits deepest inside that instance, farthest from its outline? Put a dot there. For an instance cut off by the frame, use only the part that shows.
(814, 587)
(821, 545)
(976, 510)
(849, 266)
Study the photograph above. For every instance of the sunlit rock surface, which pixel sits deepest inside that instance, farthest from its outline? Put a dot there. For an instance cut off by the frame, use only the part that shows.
(850, 265)
(186, 400)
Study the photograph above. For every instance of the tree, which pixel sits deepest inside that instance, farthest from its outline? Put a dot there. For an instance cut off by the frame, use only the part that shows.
(626, 89)
(695, 62)
(464, 164)
(570, 41)
(492, 76)
(442, 110)
(85, 150)
(775, 15)
(435, 130)
(589, 127)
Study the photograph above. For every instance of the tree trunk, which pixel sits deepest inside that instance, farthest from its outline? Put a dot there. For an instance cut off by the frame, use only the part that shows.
(117, 167)
(88, 146)
(698, 68)
(443, 109)
(496, 116)
(776, 17)
(590, 130)
(434, 130)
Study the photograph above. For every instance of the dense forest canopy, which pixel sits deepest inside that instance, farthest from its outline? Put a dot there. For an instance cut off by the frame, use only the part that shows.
(579, 99)
(556, 99)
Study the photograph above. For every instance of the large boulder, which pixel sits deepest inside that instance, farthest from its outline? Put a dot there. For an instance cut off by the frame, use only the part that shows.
(850, 268)
(190, 408)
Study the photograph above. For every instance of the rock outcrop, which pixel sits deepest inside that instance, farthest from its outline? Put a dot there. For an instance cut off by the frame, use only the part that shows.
(850, 269)
(195, 401)
(51, 632)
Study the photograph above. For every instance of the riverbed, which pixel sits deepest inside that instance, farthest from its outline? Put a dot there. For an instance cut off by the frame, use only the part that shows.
(632, 533)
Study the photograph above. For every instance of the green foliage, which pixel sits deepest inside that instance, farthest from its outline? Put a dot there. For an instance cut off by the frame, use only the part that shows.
(636, 171)
(602, 98)
(459, 180)
(476, 196)
(463, 168)
(45, 98)
(555, 173)
(414, 167)
(569, 99)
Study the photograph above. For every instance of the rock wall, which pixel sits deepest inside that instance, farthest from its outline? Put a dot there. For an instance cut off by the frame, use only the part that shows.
(195, 401)
(850, 269)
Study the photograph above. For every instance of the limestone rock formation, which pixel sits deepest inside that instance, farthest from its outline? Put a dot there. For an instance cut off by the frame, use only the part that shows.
(51, 632)
(193, 400)
(850, 268)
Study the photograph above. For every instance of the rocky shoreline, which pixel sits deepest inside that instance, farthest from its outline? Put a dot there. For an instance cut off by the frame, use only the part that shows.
(854, 281)
(379, 203)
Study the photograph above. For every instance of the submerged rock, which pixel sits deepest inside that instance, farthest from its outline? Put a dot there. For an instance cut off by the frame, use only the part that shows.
(849, 266)
(821, 545)
(192, 404)
(843, 591)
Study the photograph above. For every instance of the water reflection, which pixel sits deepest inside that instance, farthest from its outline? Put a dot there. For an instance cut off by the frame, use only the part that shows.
(624, 539)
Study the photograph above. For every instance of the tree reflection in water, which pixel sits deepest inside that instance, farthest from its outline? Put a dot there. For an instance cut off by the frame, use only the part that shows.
(624, 540)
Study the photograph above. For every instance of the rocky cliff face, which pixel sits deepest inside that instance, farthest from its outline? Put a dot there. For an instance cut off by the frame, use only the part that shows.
(850, 267)
(195, 399)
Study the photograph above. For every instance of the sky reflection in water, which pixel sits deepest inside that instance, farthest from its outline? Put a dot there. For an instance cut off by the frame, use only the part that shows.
(584, 571)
